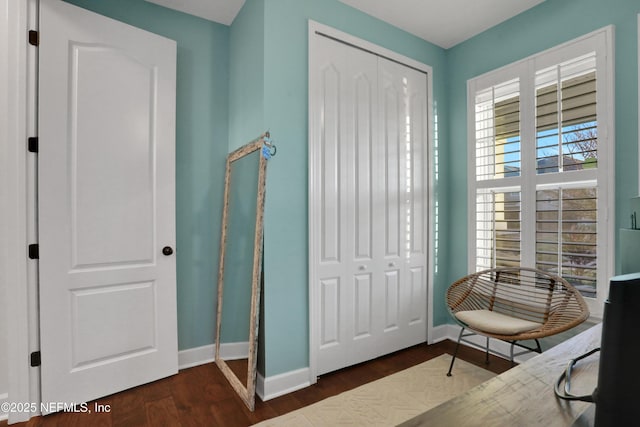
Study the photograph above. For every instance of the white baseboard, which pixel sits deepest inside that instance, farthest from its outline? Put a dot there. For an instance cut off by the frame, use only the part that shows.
(4, 398)
(196, 356)
(441, 333)
(234, 351)
(279, 385)
(206, 354)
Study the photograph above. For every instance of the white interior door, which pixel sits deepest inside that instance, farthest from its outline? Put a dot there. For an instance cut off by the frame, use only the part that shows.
(106, 183)
(367, 205)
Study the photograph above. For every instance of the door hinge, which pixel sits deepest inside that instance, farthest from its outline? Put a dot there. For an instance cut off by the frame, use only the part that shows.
(32, 144)
(36, 360)
(34, 251)
(34, 38)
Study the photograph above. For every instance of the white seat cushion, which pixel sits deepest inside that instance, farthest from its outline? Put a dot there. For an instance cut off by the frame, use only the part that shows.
(495, 323)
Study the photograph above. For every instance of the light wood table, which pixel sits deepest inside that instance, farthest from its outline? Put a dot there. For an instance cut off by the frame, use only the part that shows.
(523, 396)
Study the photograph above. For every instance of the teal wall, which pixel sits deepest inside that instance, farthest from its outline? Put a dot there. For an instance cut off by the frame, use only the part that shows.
(246, 82)
(286, 115)
(201, 149)
(551, 23)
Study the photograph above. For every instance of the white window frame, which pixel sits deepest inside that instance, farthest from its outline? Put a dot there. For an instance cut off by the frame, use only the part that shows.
(600, 41)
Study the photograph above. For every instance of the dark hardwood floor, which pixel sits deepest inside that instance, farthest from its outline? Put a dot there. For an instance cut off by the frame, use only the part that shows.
(201, 396)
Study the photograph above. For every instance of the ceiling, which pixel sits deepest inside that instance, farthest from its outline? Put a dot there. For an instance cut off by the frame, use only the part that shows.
(222, 11)
(441, 22)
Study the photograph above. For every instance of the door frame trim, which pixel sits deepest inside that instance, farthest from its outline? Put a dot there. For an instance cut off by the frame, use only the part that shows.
(314, 320)
(18, 200)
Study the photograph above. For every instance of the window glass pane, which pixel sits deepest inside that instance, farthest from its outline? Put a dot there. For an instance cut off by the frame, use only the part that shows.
(497, 229)
(497, 117)
(566, 122)
(566, 235)
(547, 134)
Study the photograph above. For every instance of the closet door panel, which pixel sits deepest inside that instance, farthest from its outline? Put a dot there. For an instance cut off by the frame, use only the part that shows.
(416, 169)
(330, 151)
(329, 206)
(361, 99)
(363, 165)
(367, 204)
(346, 90)
(391, 131)
(406, 173)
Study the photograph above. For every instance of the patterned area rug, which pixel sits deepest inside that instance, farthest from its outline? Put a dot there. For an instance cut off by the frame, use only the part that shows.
(391, 400)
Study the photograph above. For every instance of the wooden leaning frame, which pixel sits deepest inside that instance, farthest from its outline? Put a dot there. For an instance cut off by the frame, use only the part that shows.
(246, 392)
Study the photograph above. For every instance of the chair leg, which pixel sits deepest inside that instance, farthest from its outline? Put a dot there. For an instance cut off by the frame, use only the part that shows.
(486, 359)
(513, 343)
(455, 353)
(539, 349)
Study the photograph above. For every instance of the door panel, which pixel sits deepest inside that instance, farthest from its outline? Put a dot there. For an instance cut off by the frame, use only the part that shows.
(416, 284)
(118, 304)
(363, 162)
(416, 175)
(392, 300)
(331, 187)
(99, 171)
(106, 184)
(391, 123)
(330, 309)
(362, 304)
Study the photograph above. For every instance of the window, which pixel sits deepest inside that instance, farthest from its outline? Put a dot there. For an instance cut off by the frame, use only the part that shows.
(541, 153)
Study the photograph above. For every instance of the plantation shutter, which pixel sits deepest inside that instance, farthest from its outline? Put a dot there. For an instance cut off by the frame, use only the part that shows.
(498, 131)
(566, 235)
(498, 229)
(566, 125)
(541, 190)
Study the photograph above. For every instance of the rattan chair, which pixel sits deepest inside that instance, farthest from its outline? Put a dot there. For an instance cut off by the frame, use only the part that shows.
(514, 304)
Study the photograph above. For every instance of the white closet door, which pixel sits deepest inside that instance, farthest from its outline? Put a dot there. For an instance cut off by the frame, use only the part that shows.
(362, 299)
(344, 156)
(403, 201)
(369, 280)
